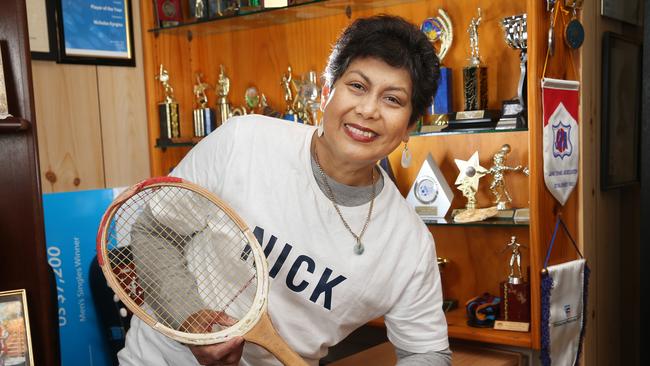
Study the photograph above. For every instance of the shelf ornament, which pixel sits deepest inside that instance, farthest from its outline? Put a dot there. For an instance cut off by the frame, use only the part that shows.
(440, 32)
(204, 116)
(430, 195)
(168, 112)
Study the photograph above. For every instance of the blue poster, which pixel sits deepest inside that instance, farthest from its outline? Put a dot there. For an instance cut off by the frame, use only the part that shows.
(71, 223)
(96, 28)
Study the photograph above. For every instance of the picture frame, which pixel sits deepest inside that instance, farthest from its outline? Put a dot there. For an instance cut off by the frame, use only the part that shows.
(15, 335)
(95, 32)
(628, 11)
(42, 29)
(621, 111)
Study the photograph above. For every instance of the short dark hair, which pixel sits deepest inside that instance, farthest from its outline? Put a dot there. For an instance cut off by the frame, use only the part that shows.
(396, 42)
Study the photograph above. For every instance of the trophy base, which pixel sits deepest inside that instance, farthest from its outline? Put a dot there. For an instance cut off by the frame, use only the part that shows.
(473, 215)
(449, 305)
(170, 126)
(204, 121)
(515, 305)
(485, 119)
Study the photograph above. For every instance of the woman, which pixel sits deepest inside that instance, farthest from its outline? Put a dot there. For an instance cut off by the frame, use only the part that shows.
(342, 244)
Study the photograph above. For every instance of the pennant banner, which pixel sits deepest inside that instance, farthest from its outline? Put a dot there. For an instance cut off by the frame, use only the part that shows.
(561, 136)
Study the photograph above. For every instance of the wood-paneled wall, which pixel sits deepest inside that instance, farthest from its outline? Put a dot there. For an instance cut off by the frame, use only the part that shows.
(92, 123)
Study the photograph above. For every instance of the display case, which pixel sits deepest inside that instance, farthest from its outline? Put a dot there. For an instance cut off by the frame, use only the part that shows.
(256, 49)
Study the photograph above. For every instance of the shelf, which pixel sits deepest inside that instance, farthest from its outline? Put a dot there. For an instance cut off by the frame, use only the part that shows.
(273, 16)
(457, 328)
(487, 222)
(177, 142)
(468, 131)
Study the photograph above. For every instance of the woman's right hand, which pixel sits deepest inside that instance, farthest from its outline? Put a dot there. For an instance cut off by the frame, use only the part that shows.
(220, 354)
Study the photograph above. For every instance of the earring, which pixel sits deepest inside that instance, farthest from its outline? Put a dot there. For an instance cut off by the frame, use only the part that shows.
(406, 157)
(320, 130)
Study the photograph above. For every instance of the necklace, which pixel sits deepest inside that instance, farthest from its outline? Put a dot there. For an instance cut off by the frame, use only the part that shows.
(358, 247)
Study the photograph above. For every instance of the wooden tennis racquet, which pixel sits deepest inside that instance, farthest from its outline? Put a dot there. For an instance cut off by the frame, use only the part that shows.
(186, 264)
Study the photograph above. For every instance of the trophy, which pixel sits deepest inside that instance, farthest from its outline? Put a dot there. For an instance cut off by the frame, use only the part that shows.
(497, 171)
(223, 88)
(430, 194)
(439, 30)
(199, 9)
(475, 74)
(470, 172)
(515, 293)
(168, 109)
(307, 101)
(290, 113)
(475, 88)
(516, 37)
(247, 6)
(220, 8)
(204, 117)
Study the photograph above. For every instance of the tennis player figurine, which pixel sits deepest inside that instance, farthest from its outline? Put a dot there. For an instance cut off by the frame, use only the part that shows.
(498, 185)
(515, 275)
(217, 275)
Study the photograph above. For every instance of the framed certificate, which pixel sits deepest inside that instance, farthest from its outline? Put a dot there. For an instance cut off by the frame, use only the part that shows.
(97, 32)
(42, 29)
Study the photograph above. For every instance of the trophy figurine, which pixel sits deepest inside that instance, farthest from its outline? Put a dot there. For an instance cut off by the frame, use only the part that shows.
(223, 88)
(204, 117)
(168, 109)
(515, 293)
(498, 186)
(199, 9)
(439, 31)
(467, 182)
(290, 113)
(475, 74)
(516, 37)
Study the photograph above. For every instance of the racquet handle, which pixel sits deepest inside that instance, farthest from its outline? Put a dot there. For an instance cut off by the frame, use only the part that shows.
(263, 334)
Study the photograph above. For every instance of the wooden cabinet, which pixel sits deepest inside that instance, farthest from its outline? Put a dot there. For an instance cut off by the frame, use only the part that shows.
(256, 50)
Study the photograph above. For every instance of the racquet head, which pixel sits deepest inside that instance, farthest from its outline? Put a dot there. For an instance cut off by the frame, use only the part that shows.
(183, 261)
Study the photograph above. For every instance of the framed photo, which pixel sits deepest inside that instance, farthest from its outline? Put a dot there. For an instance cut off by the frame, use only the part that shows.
(629, 11)
(96, 32)
(42, 29)
(621, 111)
(15, 338)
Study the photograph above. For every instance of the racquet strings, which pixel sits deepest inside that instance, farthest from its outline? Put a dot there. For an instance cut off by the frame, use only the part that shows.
(175, 253)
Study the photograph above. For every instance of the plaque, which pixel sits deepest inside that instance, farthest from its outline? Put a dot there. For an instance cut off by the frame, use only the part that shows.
(168, 12)
(168, 109)
(4, 107)
(430, 194)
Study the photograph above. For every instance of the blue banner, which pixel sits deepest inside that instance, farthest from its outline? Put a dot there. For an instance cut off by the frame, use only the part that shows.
(71, 223)
(96, 28)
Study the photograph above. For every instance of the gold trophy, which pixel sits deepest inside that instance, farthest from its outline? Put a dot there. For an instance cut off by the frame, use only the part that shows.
(307, 101)
(170, 126)
(497, 171)
(223, 88)
(475, 74)
(287, 84)
(467, 182)
(204, 117)
(515, 293)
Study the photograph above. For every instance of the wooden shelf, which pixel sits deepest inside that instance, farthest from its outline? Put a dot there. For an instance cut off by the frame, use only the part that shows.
(487, 222)
(274, 16)
(177, 142)
(468, 131)
(458, 329)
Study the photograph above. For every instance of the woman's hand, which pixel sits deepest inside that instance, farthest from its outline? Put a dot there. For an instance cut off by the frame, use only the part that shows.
(221, 354)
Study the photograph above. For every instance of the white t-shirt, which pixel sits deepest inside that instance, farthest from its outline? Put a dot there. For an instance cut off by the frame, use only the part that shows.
(320, 290)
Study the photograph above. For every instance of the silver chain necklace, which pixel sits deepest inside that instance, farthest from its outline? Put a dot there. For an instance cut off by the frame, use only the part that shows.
(358, 247)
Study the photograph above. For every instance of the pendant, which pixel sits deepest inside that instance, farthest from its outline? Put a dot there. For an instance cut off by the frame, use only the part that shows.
(574, 34)
(358, 248)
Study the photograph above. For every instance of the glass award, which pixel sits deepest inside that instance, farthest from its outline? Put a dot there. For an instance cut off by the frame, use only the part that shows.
(430, 194)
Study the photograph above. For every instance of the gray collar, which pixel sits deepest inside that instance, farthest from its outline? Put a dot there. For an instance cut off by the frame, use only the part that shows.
(344, 195)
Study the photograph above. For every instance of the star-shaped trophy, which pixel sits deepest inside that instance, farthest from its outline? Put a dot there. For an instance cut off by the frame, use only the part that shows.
(470, 172)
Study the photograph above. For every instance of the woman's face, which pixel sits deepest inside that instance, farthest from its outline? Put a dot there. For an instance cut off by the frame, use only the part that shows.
(366, 113)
